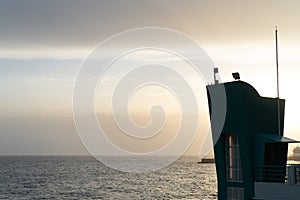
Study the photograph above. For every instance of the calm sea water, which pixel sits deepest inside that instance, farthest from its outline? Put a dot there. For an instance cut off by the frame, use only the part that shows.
(83, 177)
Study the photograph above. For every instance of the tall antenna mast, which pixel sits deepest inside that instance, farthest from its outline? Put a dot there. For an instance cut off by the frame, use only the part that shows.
(277, 72)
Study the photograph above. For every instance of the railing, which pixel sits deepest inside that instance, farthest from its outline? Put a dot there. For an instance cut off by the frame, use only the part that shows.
(271, 173)
(278, 174)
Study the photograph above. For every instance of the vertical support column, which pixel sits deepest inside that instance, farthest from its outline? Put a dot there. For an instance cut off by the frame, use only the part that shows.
(291, 174)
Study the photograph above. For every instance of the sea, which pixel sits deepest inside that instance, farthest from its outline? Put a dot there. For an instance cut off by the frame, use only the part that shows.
(84, 177)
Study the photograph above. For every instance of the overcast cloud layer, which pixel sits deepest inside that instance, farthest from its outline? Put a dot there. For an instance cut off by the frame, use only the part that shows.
(36, 24)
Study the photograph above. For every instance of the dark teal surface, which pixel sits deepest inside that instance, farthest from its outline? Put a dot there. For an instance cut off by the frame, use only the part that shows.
(249, 116)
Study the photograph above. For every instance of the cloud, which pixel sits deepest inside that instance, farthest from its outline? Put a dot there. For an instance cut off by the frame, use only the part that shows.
(83, 24)
(44, 53)
(49, 79)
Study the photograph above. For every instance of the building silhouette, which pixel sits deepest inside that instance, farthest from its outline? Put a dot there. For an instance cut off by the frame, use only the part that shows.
(250, 151)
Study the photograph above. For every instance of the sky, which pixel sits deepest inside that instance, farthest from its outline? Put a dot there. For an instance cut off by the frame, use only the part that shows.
(44, 43)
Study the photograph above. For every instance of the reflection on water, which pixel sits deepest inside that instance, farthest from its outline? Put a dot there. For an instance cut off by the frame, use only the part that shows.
(86, 178)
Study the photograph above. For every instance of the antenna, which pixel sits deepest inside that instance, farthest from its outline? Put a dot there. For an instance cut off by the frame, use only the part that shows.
(216, 70)
(277, 73)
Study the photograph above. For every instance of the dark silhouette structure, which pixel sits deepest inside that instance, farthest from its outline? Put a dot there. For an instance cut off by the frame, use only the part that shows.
(250, 148)
(236, 76)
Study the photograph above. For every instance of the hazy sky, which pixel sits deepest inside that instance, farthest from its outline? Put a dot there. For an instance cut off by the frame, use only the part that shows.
(43, 43)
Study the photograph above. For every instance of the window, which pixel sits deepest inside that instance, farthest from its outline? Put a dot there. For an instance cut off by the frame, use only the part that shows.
(234, 193)
(233, 160)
